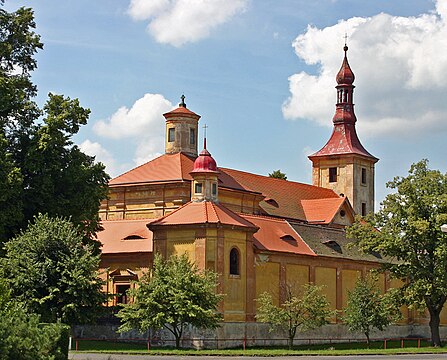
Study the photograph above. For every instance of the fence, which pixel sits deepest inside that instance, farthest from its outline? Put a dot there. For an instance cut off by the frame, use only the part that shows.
(244, 343)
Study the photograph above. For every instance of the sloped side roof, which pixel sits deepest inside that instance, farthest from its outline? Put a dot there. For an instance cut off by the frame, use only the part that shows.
(322, 211)
(285, 196)
(167, 167)
(125, 236)
(343, 141)
(277, 235)
(331, 242)
(204, 212)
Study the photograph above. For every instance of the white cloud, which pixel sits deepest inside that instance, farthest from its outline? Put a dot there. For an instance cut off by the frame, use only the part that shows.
(177, 22)
(146, 115)
(95, 149)
(143, 125)
(399, 63)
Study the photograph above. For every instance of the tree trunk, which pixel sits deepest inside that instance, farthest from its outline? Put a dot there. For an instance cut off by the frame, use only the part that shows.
(434, 327)
(177, 341)
(290, 342)
(367, 338)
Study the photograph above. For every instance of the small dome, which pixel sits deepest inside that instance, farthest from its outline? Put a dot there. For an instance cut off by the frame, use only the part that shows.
(204, 163)
(345, 74)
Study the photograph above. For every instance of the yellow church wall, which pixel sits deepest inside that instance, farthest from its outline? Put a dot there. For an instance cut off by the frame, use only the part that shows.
(181, 242)
(235, 286)
(267, 280)
(348, 280)
(394, 284)
(328, 278)
(297, 275)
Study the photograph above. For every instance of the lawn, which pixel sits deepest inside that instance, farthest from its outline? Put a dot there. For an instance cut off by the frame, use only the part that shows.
(393, 347)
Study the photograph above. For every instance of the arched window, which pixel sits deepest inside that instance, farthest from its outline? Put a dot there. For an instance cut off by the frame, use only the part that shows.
(234, 262)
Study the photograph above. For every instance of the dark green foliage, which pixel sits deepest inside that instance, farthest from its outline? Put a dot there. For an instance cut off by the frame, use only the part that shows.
(41, 170)
(22, 337)
(368, 309)
(410, 236)
(173, 295)
(277, 174)
(53, 272)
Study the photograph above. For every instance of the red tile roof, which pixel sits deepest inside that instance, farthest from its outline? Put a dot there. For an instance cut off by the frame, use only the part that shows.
(283, 196)
(343, 141)
(181, 110)
(277, 235)
(125, 236)
(204, 212)
(322, 211)
(167, 167)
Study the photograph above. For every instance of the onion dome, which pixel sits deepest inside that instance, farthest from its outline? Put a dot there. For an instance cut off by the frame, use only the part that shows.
(345, 74)
(204, 163)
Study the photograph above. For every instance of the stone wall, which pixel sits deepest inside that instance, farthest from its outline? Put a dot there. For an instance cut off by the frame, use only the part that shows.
(254, 334)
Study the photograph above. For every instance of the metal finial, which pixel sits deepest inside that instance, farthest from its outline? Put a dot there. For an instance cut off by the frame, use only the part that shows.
(182, 104)
(204, 135)
(345, 48)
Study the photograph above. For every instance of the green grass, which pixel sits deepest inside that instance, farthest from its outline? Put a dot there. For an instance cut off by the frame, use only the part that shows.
(393, 347)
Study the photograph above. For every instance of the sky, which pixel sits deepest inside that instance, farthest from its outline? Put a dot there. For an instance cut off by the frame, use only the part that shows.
(261, 73)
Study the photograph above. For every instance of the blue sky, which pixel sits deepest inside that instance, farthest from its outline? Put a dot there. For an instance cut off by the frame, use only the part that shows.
(261, 73)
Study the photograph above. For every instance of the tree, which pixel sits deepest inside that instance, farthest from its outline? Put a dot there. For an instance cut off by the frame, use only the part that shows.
(368, 309)
(302, 310)
(277, 174)
(409, 235)
(22, 337)
(41, 169)
(53, 272)
(173, 295)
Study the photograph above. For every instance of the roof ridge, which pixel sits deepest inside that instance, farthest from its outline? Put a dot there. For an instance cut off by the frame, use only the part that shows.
(215, 212)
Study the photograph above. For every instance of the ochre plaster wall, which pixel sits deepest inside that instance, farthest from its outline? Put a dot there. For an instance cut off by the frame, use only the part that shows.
(235, 285)
(328, 278)
(267, 279)
(348, 280)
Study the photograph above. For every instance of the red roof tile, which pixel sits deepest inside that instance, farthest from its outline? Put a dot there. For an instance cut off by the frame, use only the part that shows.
(125, 236)
(284, 197)
(277, 235)
(204, 212)
(322, 211)
(166, 167)
(343, 141)
(181, 111)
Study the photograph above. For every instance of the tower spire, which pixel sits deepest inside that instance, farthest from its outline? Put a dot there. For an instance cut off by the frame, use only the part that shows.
(343, 164)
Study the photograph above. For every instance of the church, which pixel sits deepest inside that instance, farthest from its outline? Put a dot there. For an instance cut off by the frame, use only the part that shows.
(257, 232)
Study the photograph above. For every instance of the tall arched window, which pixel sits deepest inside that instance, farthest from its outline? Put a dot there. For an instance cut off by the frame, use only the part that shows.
(234, 262)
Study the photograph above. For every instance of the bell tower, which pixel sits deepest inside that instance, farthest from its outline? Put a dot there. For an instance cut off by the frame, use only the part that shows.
(343, 164)
(181, 130)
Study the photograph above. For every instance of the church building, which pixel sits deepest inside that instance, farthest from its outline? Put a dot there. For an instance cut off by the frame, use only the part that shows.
(258, 233)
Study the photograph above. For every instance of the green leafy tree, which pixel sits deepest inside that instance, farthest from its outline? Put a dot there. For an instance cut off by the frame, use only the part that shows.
(53, 272)
(303, 309)
(409, 235)
(173, 295)
(277, 174)
(22, 337)
(42, 170)
(367, 308)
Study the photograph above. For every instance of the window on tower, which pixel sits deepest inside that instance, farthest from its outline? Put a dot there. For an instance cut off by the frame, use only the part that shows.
(192, 136)
(171, 134)
(214, 189)
(363, 176)
(363, 209)
(333, 174)
(198, 188)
